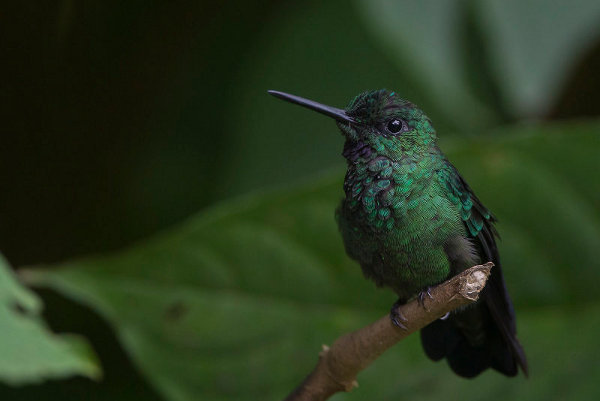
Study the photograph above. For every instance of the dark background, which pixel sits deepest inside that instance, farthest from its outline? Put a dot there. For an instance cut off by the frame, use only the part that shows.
(120, 119)
(116, 115)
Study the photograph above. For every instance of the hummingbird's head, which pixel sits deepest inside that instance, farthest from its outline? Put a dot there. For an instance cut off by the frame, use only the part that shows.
(381, 120)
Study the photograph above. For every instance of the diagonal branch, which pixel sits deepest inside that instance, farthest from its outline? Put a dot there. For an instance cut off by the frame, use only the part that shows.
(339, 364)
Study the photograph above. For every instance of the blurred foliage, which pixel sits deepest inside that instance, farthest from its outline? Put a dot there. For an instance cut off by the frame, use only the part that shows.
(208, 309)
(469, 51)
(31, 353)
(125, 118)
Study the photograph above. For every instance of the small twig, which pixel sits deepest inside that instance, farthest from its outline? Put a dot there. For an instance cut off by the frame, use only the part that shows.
(339, 364)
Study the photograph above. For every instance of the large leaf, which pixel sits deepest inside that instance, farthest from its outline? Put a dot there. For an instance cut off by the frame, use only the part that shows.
(528, 46)
(534, 46)
(29, 353)
(425, 41)
(235, 303)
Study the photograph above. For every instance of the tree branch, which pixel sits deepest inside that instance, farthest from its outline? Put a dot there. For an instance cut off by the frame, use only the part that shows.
(339, 364)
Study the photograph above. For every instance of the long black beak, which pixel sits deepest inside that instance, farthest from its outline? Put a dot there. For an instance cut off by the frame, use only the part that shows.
(338, 114)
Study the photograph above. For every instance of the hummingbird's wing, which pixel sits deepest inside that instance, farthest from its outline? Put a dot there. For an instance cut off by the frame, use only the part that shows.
(479, 223)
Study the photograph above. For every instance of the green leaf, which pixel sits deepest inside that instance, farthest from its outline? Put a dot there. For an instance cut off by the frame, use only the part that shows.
(424, 40)
(235, 303)
(535, 45)
(561, 347)
(540, 185)
(530, 48)
(30, 353)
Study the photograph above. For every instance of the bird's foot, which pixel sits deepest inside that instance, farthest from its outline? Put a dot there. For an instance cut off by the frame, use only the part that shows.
(421, 297)
(396, 316)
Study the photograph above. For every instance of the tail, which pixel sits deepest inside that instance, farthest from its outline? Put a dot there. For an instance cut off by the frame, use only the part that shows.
(480, 336)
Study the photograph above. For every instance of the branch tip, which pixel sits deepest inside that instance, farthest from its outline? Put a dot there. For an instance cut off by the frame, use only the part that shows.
(339, 364)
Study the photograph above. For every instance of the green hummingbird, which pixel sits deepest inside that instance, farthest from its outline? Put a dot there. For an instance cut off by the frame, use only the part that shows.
(411, 221)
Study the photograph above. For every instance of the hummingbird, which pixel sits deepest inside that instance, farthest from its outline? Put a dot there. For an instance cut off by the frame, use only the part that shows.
(411, 221)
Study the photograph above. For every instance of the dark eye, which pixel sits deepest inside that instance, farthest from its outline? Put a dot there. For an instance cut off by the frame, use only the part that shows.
(395, 126)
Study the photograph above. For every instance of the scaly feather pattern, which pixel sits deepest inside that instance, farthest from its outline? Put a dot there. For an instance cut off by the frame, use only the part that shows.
(411, 221)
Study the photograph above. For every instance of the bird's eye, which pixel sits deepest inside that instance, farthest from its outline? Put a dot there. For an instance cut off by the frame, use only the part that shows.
(395, 126)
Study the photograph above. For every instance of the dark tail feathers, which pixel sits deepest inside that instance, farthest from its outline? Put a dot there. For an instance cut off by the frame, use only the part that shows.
(471, 342)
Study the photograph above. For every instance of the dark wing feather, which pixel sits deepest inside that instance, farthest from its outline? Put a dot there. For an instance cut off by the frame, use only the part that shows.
(502, 350)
